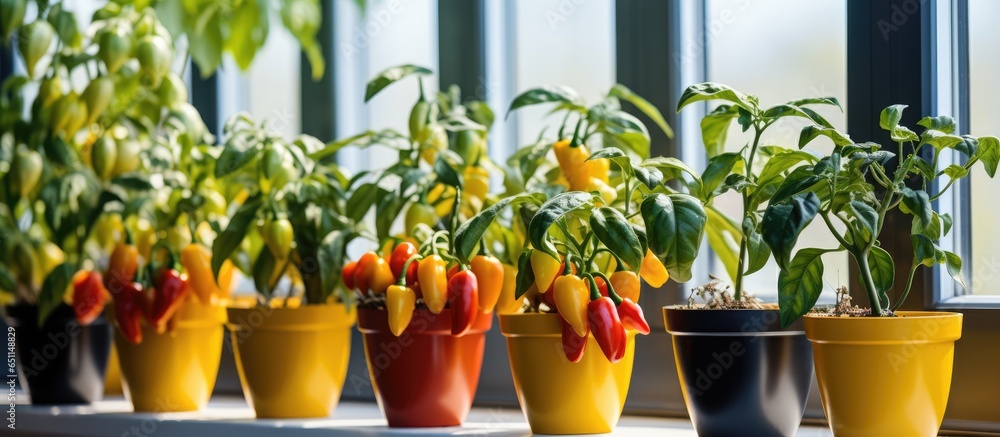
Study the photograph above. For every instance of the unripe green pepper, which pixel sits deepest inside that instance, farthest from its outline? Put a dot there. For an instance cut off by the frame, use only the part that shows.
(25, 171)
(469, 144)
(418, 118)
(11, 16)
(278, 236)
(33, 41)
(115, 47)
(97, 96)
(50, 91)
(172, 90)
(103, 156)
(127, 158)
(154, 55)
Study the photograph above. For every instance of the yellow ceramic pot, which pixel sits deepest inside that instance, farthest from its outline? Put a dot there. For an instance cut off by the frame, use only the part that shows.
(113, 376)
(881, 376)
(557, 396)
(292, 361)
(174, 371)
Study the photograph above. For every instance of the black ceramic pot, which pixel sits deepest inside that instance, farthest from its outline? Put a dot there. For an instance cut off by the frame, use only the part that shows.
(741, 374)
(60, 362)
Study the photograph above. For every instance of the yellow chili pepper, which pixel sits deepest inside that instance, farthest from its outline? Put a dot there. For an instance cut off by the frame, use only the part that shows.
(399, 302)
(197, 262)
(433, 279)
(490, 276)
(574, 164)
(506, 303)
(601, 169)
(608, 193)
(546, 268)
(477, 182)
(626, 284)
(653, 271)
(572, 296)
(226, 273)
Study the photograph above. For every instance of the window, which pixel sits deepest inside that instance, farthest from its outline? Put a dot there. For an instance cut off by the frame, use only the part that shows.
(748, 48)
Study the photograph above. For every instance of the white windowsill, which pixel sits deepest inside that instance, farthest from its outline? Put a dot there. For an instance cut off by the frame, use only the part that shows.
(231, 416)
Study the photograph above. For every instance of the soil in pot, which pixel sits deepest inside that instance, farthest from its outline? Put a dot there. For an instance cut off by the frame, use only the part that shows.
(292, 361)
(740, 372)
(60, 362)
(556, 395)
(911, 357)
(426, 377)
(176, 370)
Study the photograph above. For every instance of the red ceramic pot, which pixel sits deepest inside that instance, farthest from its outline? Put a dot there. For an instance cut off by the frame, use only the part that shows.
(426, 377)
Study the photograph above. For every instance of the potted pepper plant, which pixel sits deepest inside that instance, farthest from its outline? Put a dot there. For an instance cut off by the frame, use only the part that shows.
(853, 188)
(732, 349)
(289, 234)
(420, 306)
(591, 234)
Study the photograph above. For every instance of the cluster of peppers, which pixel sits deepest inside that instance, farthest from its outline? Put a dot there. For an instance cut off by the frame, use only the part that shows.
(404, 278)
(592, 302)
(157, 296)
(581, 174)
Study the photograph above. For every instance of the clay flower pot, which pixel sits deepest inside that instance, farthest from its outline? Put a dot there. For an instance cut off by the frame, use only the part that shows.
(426, 377)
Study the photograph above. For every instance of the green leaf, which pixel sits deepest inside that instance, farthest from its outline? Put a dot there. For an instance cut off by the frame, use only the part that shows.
(622, 92)
(207, 33)
(672, 168)
(903, 134)
(882, 270)
(231, 237)
(940, 140)
(674, 227)
(390, 76)
(924, 250)
(780, 111)
(330, 256)
(719, 167)
(713, 91)
(7, 281)
(133, 181)
(864, 215)
(233, 159)
(470, 233)
(554, 209)
(942, 123)
(387, 210)
(361, 201)
(525, 275)
(547, 94)
(832, 101)
(917, 203)
(650, 176)
(53, 289)
(989, 153)
(800, 285)
(956, 171)
(481, 113)
(783, 222)
(798, 181)
(890, 117)
(445, 170)
(954, 265)
(715, 128)
(757, 251)
(969, 146)
(614, 230)
(812, 132)
(248, 30)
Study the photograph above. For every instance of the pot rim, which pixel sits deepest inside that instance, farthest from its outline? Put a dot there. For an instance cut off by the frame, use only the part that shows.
(682, 320)
(194, 314)
(424, 322)
(310, 317)
(530, 324)
(912, 327)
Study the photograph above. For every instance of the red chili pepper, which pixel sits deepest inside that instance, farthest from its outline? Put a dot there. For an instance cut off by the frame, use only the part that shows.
(169, 294)
(89, 296)
(631, 316)
(573, 345)
(463, 297)
(130, 308)
(347, 274)
(400, 254)
(607, 327)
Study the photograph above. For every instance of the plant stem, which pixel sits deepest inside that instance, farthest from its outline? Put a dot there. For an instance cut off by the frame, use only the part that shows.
(906, 291)
(744, 243)
(866, 276)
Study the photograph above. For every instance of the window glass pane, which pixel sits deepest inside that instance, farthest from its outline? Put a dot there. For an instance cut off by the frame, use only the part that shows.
(781, 50)
(984, 69)
(559, 42)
